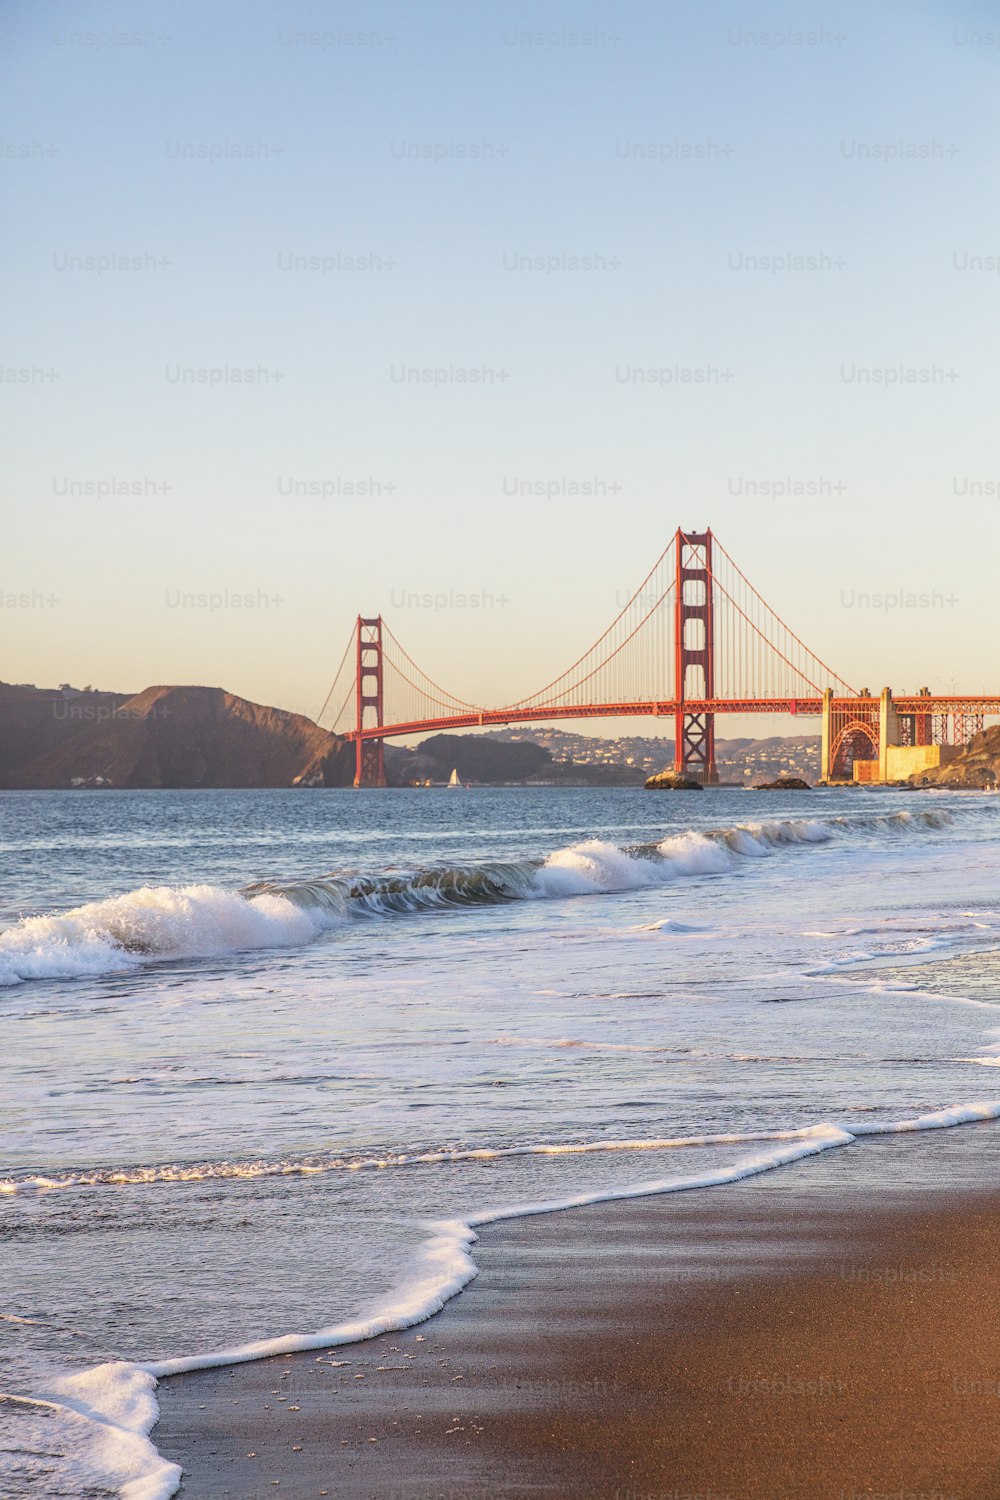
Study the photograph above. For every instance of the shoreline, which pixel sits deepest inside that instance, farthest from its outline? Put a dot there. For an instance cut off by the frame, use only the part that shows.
(815, 1332)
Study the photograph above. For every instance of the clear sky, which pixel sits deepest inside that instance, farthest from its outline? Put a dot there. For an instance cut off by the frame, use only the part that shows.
(238, 159)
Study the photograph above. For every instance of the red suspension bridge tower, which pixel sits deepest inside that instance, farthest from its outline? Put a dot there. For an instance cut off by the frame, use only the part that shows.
(369, 767)
(694, 656)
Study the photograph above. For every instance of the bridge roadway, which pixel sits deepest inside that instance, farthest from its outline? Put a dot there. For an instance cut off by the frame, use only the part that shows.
(959, 703)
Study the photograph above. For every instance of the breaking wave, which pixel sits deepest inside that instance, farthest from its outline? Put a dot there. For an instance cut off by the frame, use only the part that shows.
(195, 921)
(189, 921)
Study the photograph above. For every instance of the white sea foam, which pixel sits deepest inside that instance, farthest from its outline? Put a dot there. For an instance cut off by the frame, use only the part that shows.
(153, 922)
(142, 1176)
(593, 867)
(105, 1415)
(668, 925)
(897, 955)
(940, 1119)
(717, 850)
(696, 854)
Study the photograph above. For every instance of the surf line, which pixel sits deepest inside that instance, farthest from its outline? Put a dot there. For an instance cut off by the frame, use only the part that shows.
(444, 1267)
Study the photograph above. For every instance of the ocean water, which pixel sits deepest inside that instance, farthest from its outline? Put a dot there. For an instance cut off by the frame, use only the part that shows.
(270, 1057)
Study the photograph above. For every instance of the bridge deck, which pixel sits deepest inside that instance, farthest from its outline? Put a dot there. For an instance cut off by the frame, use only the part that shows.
(513, 714)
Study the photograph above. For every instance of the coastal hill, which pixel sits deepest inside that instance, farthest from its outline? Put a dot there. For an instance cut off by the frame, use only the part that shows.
(492, 761)
(475, 757)
(34, 721)
(978, 765)
(161, 737)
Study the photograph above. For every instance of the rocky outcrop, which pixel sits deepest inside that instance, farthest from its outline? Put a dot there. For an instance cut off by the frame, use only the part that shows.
(783, 784)
(976, 768)
(178, 737)
(671, 781)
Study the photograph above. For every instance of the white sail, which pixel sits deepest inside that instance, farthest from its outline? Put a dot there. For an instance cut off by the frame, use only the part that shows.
(453, 779)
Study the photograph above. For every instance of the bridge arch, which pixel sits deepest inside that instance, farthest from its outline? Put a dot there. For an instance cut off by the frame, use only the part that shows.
(854, 736)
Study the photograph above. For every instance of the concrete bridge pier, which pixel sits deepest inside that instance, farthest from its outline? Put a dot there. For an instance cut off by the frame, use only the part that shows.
(857, 718)
(827, 735)
(893, 746)
(888, 732)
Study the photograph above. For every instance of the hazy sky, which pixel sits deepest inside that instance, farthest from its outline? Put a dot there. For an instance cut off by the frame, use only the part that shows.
(235, 160)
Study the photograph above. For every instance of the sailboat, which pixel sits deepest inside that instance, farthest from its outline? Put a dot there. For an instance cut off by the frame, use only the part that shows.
(453, 779)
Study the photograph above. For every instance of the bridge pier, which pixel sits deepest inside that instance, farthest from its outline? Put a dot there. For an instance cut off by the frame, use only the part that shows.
(870, 740)
(889, 732)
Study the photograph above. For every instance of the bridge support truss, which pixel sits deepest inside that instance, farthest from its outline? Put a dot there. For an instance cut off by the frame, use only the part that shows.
(918, 728)
(694, 652)
(966, 727)
(369, 766)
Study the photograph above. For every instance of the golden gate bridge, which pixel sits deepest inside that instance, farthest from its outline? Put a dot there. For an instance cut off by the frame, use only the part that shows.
(695, 640)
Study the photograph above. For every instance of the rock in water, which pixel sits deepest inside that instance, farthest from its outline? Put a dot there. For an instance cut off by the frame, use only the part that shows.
(671, 781)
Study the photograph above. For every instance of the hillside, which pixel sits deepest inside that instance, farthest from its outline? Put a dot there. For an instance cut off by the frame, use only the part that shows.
(738, 760)
(978, 765)
(475, 757)
(161, 737)
(492, 761)
(34, 721)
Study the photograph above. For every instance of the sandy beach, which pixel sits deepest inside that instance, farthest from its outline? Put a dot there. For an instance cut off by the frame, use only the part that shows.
(847, 1348)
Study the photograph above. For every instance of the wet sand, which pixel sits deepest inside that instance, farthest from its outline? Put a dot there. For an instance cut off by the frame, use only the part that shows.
(848, 1347)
